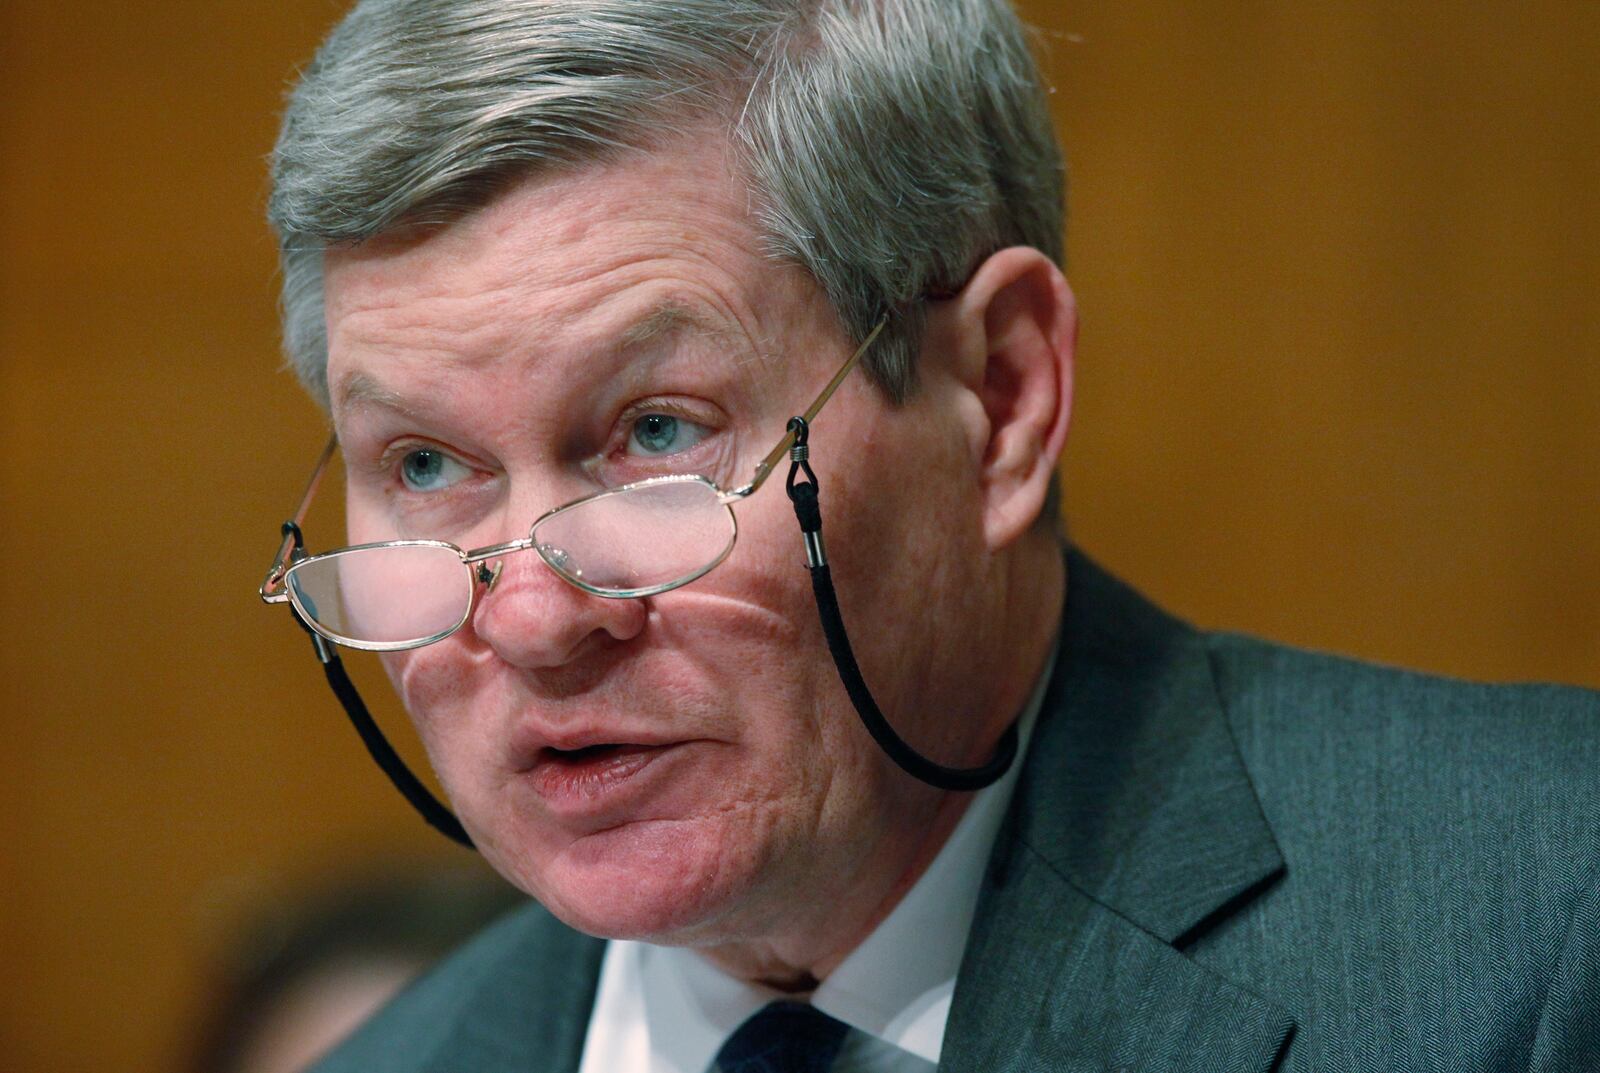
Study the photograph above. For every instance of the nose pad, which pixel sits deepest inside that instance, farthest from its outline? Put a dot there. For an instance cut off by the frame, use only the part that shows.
(488, 575)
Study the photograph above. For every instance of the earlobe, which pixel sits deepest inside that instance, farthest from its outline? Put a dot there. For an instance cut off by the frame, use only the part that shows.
(1021, 304)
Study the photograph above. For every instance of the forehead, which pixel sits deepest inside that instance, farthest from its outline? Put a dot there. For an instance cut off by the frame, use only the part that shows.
(612, 254)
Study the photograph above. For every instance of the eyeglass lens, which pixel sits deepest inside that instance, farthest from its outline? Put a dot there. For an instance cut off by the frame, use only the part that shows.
(640, 537)
(635, 540)
(384, 595)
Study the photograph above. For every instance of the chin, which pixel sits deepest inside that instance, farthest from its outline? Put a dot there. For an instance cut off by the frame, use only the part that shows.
(673, 882)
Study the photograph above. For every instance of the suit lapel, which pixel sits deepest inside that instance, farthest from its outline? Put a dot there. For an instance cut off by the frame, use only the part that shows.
(530, 1012)
(1054, 980)
(1134, 827)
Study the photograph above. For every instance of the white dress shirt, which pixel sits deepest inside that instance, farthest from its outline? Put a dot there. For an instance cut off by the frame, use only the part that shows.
(663, 1009)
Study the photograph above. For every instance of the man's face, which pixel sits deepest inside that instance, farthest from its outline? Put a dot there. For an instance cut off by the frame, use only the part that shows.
(685, 767)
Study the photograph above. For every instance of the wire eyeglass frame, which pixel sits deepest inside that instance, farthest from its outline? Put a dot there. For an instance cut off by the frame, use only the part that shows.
(291, 556)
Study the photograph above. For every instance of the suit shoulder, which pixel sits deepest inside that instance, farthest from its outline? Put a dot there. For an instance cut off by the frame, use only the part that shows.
(1275, 688)
(1442, 856)
(1338, 745)
(497, 974)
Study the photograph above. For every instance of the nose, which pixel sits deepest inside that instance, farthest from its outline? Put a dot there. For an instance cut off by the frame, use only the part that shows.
(532, 618)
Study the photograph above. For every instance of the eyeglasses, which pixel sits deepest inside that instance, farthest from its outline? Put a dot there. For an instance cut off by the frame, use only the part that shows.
(635, 540)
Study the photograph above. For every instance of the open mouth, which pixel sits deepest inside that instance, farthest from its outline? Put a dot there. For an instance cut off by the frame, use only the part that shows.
(589, 753)
(591, 771)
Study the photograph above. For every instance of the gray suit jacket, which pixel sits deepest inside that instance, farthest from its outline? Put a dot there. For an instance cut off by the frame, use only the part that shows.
(1222, 855)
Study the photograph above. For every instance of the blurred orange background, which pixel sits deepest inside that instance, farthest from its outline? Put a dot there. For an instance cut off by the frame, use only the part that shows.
(1339, 268)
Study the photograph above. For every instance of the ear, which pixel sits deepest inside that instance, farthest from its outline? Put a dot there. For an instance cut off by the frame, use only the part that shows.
(1017, 323)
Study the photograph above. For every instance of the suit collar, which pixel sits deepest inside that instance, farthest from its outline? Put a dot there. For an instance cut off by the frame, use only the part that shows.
(1134, 790)
(525, 1007)
(1134, 827)
(1054, 979)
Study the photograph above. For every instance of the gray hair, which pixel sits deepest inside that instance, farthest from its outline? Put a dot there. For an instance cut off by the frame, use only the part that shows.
(890, 145)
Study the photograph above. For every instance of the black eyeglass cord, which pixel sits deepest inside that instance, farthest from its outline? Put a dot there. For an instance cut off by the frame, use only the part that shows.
(803, 494)
(432, 810)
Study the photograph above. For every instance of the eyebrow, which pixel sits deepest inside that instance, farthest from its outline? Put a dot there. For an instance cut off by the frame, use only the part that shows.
(666, 318)
(669, 317)
(363, 390)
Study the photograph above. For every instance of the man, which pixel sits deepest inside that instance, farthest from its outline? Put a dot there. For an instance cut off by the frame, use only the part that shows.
(544, 259)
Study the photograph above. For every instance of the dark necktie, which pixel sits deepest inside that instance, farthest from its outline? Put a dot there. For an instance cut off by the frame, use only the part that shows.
(783, 1037)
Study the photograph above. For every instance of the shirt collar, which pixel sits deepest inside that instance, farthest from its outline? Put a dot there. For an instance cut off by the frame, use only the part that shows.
(677, 1008)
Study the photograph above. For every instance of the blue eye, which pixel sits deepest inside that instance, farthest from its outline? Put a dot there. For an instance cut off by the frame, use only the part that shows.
(426, 470)
(661, 434)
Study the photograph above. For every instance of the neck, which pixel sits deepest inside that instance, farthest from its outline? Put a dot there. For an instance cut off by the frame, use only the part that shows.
(798, 964)
(1026, 598)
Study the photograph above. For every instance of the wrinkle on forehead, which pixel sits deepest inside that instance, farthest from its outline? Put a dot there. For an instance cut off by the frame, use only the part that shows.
(649, 335)
(665, 239)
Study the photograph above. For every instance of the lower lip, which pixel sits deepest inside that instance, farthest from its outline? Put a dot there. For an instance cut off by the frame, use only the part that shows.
(586, 783)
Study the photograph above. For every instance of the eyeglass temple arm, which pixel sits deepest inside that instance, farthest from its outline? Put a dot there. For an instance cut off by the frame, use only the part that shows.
(767, 465)
(272, 586)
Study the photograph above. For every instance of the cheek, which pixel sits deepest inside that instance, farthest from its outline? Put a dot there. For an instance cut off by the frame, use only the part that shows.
(778, 690)
(432, 683)
(905, 547)
(734, 640)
